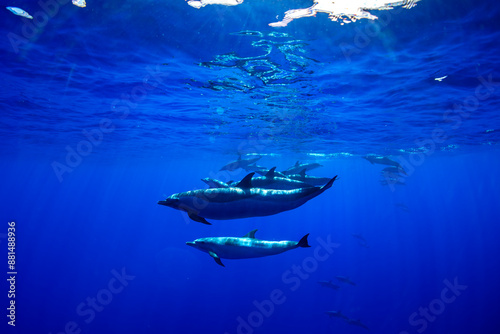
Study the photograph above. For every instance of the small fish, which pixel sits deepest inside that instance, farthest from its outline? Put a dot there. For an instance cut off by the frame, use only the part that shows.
(20, 12)
(441, 78)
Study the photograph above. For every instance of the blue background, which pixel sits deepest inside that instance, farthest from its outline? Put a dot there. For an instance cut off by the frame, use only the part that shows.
(180, 92)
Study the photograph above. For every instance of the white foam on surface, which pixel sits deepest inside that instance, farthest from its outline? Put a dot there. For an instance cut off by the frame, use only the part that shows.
(343, 11)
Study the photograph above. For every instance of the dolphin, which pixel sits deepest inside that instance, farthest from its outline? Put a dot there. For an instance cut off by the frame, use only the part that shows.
(263, 172)
(240, 201)
(329, 284)
(271, 181)
(389, 181)
(402, 206)
(361, 240)
(312, 180)
(244, 248)
(240, 163)
(336, 314)
(254, 168)
(299, 167)
(356, 322)
(378, 159)
(391, 176)
(344, 279)
(394, 170)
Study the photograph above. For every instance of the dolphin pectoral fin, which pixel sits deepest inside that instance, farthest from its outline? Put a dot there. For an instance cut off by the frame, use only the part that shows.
(216, 258)
(246, 183)
(250, 234)
(197, 218)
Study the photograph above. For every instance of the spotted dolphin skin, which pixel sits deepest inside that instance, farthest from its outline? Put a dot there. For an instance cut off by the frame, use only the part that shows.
(240, 201)
(244, 248)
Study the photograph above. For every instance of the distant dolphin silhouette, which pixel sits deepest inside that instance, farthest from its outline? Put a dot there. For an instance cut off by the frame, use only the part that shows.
(344, 279)
(336, 314)
(329, 284)
(378, 159)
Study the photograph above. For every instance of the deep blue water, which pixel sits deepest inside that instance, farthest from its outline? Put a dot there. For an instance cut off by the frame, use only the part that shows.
(107, 109)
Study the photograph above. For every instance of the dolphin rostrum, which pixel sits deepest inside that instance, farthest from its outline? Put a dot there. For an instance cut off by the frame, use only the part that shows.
(244, 248)
(240, 201)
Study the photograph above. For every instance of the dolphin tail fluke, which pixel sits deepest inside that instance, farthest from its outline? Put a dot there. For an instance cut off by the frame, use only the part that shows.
(198, 219)
(303, 242)
(329, 184)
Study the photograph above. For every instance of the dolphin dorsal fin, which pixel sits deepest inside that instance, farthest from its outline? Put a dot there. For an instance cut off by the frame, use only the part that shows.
(270, 173)
(297, 164)
(246, 182)
(239, 157)
(303, 172)
(250, 234)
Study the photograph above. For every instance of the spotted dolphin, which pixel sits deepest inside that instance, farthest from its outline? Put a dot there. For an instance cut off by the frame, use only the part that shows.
(312, 180)
(299, 167)
(276, 173)
(240, 163)
(271, 181)
(336, 314)
(244, 248)
(329, 284)
(379, 159)
(357, 322)
(240, 201)
(344, 279)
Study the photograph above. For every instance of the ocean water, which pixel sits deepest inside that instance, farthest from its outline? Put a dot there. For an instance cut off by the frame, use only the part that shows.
(109, 108)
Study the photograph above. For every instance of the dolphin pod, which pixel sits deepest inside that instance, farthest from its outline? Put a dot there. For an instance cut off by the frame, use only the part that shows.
(245, 247)
(240, 201)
